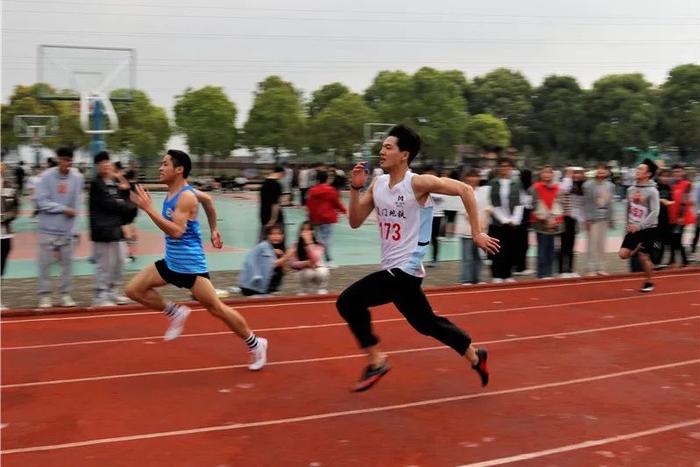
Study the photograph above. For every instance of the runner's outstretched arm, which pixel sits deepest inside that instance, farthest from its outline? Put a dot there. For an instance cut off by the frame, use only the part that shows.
(175, 228)
(426, 183)
(360, 204)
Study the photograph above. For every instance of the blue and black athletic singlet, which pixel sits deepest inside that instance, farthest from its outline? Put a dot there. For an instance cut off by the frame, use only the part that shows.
(184, 254)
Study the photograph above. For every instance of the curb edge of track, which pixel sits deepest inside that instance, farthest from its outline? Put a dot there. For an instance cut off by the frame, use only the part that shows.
(25, 312)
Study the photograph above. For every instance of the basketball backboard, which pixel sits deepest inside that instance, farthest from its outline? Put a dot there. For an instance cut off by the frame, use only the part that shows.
(35, 126)
(73, 71)
(88, 75)
(376, 132)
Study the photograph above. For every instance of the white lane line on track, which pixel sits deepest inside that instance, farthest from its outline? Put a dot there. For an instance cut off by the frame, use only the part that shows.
(338, 357)
(583, 445)
(336, 324)
(7, 321)
(330, 415)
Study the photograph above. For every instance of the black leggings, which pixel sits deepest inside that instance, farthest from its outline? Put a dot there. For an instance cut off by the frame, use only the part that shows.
(4, 251)
(677, 245)
(568, 240)
(404, 291)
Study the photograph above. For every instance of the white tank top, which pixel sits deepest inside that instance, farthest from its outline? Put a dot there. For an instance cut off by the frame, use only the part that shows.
(404, 225)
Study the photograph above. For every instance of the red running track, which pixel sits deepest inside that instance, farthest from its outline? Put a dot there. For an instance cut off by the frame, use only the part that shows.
(591, 373)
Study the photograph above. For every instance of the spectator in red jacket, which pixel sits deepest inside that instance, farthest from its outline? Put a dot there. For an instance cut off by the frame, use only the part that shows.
(547, 219)
(323, 203)
(680, 213)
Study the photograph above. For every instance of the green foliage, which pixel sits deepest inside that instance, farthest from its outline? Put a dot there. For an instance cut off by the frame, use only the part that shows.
(24, 101)
(559, 118)
(505, 94)
(431, 101)
(207, 117)
(276, 119)
(391, 96)
(339, 126)
(623, 112)
(680, 107)
(484, 131)
(322, 97)
(144, 129)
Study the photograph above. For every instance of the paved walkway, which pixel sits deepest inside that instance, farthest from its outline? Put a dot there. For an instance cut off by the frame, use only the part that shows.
(21, 293)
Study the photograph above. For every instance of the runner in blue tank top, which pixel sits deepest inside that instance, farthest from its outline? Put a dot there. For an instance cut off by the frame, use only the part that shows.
(184, 264)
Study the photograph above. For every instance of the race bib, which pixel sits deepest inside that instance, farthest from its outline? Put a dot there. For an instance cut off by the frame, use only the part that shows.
(637, 213)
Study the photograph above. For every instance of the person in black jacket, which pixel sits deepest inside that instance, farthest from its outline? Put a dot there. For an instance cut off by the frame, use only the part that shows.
(108, 210)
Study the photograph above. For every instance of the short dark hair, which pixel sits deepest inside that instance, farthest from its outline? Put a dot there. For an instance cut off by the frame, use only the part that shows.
(664, 172)
(270, 228)
(407, 140)
(101, 156)
(118, 165)
(601, 165)
(181, 159)
(505, 160)
(51, 162)
(651, 166)
(64, 151)
(278, 169)
(677, 166)
(322, 176)
(472, 172)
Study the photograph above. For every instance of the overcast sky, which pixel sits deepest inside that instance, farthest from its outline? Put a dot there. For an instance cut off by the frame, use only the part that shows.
(236, 44)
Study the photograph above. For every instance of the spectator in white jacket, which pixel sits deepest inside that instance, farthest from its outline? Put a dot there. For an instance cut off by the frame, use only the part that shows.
(471, 260)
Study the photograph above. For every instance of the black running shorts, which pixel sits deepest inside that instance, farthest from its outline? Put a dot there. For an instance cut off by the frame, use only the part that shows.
(647, 238)
(178, 279)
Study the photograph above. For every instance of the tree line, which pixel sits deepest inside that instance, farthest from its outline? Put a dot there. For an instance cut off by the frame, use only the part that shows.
(557, 120)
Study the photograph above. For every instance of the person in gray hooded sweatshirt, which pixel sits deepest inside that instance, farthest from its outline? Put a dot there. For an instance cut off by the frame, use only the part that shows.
(642, 219)
(57, 198)
(598, 207)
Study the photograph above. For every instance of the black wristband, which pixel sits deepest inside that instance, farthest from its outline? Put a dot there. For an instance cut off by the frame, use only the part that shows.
(358, 188)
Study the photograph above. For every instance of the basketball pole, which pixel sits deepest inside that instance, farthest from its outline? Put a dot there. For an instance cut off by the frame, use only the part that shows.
(97, 142)
(36, 145)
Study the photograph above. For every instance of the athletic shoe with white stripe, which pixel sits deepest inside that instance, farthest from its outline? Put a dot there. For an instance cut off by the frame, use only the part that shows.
(177, 322)
(258, 355)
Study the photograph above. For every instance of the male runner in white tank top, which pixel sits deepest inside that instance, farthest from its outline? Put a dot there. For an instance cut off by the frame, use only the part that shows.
(401, 201)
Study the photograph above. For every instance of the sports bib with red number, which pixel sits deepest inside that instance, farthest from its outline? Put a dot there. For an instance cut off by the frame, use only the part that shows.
(404, 225)
(637, 213)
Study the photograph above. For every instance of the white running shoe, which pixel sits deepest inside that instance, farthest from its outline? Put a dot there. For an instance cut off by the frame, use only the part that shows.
(258, 356)
(177, 323)
(67, 301)
(45, 302)
(120, 299)
(323, 291)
